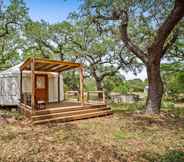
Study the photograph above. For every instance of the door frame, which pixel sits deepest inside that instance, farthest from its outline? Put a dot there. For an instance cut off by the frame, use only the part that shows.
(46, 85)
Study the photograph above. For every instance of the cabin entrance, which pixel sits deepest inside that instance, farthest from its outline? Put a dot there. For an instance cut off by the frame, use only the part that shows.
(41, 88)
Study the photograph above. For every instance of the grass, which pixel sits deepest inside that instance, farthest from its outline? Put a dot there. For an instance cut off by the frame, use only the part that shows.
(127, 136)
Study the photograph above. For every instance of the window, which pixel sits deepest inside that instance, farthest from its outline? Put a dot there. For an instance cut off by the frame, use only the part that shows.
(40, 82)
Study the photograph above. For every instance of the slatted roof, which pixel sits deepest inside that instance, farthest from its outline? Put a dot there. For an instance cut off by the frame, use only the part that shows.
(46, 65)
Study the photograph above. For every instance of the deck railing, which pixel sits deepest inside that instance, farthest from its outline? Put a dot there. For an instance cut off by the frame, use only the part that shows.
(89, 96)
(26, 99)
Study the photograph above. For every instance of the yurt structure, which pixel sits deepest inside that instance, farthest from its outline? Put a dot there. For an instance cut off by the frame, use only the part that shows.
(37, 86)
(10, 86)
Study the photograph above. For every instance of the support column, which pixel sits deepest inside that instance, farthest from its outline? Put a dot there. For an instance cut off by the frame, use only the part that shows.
(59, 87)
(33, 85)
(104, 99)
(82, 85)
(20, 86)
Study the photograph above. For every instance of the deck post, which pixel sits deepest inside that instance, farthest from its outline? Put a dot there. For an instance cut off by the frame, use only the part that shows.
(20, 86)
(82, 85)
(33, 84)
(58, 87)
(104, 99)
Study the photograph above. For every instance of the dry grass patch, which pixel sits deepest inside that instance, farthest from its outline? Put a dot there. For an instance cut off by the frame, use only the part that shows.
(125, 136)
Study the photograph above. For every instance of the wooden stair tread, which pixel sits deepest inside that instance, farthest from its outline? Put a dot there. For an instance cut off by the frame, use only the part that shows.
(75, 117)
(67, 109)
(81, 111)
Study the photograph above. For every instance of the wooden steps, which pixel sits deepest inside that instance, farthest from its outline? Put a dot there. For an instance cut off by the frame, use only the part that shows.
(67, 109)
(70, 114)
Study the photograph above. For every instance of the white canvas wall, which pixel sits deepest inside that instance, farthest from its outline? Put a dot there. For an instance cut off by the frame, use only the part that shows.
(53, 89)
(9, 90)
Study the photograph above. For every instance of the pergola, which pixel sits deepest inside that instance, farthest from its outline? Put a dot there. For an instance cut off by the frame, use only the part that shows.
(44, 65)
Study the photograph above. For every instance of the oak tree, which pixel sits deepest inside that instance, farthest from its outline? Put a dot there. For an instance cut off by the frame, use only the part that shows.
(146, 28)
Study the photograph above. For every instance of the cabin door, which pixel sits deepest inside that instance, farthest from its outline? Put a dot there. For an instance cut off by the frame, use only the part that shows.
(41, 87)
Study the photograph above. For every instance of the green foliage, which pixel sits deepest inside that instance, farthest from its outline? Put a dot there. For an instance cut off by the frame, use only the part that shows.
(168, 104)
(89, 84)
(71, 81)
(180, 81)
(116, 83)
(144, 17)
(12, 20)
(48, 40)
(120, 135)
(173, 77)
(173, 156)
(122, 88)
(136, 85)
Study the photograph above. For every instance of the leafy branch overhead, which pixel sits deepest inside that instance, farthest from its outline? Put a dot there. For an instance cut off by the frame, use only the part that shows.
(12, 20)
(12, 17)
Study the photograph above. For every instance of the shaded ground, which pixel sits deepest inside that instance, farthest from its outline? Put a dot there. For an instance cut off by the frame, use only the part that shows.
(127, 136)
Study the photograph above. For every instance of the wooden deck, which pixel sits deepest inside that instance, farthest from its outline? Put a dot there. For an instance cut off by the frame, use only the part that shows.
(65, 111)
(40, 113)
(63, 104)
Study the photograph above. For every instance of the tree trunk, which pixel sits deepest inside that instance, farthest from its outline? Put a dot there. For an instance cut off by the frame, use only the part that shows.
(99, 85)
(155, 89)
(99, 88)
(61, 56)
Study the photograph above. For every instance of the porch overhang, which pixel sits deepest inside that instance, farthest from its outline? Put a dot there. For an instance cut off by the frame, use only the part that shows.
(46, 65)
(38, 65)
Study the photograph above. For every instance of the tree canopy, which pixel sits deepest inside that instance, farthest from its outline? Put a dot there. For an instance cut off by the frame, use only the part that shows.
(12, 20)
(148, 29)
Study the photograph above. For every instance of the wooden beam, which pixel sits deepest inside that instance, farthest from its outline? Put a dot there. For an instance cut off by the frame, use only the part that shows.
(57, 66)
(38, 67)
(33, 85)
(63, 68)
(82, 85)
(25, 64)
(20, 86)
(48, 67)
(58, 87)
(57, 62)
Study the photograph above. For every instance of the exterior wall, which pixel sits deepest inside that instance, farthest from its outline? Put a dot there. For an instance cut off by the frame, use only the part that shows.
(10, 88)
(53, 89)
(61, 88)
(26, 84)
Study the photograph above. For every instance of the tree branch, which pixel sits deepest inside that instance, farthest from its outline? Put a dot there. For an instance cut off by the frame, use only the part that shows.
(6, 28)
(170, 43)
(120, 14)
(168, 25)
(127, 41)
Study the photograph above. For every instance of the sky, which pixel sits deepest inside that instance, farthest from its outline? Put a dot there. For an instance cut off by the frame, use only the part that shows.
(142, 75)
(54, 11)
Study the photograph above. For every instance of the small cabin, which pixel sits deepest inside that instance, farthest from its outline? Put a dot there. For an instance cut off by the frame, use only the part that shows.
(41, 96)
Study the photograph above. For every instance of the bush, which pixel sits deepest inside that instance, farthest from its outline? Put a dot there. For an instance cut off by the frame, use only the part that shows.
(167, 104)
